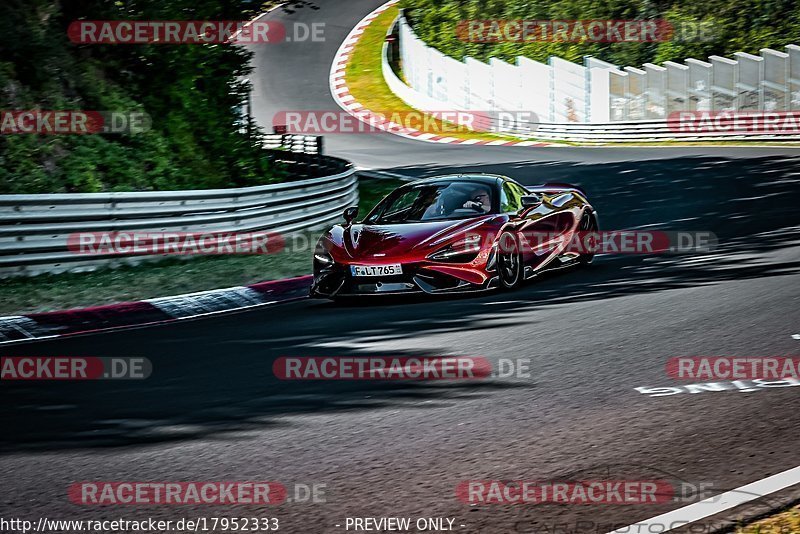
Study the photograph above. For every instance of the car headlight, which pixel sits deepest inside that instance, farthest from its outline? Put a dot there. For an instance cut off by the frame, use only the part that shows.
(462, 251)
(324, 259)
(322, 255)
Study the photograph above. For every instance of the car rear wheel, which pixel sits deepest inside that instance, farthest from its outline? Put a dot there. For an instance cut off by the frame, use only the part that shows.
(588, 224)
(509, 261)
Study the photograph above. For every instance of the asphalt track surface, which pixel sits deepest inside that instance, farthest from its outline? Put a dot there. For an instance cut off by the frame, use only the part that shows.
(212, 410)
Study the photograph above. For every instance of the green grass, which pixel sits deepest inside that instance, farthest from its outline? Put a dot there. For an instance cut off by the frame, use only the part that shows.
(172, 276)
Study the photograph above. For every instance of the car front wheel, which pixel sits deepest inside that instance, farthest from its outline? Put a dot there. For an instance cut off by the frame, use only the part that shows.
(509, 261)
(588, 225)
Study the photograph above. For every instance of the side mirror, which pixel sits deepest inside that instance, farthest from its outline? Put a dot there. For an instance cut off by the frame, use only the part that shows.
(350, 214)
(530, 201)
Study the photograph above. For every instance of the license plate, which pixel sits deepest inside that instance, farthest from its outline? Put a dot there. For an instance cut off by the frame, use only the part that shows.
(376, 270)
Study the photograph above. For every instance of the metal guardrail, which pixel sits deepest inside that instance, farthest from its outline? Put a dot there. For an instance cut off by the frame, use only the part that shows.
(649, 130)
(34, 229)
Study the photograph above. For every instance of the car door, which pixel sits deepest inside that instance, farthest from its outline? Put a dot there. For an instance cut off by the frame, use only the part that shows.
(543, 228)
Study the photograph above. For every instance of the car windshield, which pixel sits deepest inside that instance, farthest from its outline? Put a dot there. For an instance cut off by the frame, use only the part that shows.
(433, 202)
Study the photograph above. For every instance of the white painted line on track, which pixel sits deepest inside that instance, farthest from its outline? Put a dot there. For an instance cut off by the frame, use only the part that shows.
(265, 13)
(714, 505)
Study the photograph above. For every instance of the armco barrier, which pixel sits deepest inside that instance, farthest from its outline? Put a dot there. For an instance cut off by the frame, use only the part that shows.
(437, 83)
(34, 228)
(652, 130)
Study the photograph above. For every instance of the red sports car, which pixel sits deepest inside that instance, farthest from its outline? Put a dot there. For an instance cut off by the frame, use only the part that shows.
(453, 233)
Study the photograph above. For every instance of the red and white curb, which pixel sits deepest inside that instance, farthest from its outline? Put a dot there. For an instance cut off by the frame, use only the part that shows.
(341, 94)
(150, 312)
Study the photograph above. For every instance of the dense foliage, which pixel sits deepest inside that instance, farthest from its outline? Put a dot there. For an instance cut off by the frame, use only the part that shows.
(731, 25)
(191, 92)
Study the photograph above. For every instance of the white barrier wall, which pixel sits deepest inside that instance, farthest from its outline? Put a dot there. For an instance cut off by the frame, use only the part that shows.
(564, 92)
(699, 89)
(793, 76)
(569, 95)
(635, 100)
(535, 88)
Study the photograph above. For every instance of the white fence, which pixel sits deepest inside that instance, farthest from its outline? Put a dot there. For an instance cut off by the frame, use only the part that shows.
(563, 92)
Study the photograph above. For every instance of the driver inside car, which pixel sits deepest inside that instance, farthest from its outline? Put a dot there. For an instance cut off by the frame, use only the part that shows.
(479, 199)
(443, 203)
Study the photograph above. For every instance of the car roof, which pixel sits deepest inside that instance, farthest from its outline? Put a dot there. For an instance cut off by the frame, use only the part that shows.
(477, 177)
